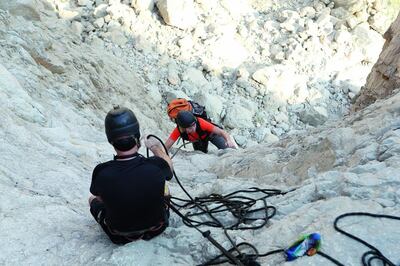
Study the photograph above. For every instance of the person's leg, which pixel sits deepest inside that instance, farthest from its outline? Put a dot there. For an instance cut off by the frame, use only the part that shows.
(155, 232)
(201, 146)
(151, 234)
(218, 141)
(96, 208)
(98, 211)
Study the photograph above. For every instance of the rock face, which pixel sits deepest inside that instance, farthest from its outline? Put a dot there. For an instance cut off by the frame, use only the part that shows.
(283, 58)
(62, 68)
(384, 78)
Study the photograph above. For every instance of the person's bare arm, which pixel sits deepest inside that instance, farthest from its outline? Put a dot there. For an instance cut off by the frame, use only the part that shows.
(169, 143)
(229, 141)
(158, 150)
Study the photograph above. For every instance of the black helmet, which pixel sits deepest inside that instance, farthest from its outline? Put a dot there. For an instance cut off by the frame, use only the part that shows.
(185, 119)
(121, 122)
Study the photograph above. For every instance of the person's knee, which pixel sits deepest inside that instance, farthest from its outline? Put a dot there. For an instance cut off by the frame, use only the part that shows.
(219, 142)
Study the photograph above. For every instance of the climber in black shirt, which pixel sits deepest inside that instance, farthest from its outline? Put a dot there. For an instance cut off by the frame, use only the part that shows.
(129, 192)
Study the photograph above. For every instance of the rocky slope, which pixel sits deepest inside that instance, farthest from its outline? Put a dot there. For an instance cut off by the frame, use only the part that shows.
(292, 67)
(261, 68)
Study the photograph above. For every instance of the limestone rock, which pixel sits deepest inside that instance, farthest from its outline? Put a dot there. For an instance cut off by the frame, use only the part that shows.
(52, 126)
(143, 5)
(340, 13)
(384, 77)
(48, 61)
(154, 94)
(313, 116)
(270, 138)
(98, 23)
(69, 14)
(213, 104)
(77, 27)
(178, 13)
(369, 39)
(238, 117)
(173, 77)
(20, 102)
(170, 95)
(380, 22)
(86, 3)
(100, 11)
(225, 51)
(352, 6)
(117, 37)
(195, 77)
(29, 9)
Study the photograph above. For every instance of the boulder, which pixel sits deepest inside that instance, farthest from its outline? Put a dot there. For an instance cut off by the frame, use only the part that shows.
(143, 5)
(196, 78)
(178, 13)
(352, 6)
(379, 22)
(86, 3)
(100, 11)
(213, 103)
(313, 115)
(238, 117)
(369, 40)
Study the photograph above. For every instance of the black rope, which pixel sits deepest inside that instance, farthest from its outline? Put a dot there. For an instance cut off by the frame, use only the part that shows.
(326, 256)
(374, 254)
(241, 207)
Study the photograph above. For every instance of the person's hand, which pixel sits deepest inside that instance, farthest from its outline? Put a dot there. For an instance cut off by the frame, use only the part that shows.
(151, 142)
(231, 143)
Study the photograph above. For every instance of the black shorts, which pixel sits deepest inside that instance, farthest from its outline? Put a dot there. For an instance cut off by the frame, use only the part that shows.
(217, 140)
(97, 209)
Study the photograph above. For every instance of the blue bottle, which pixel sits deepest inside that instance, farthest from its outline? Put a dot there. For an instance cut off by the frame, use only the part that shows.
(307, 244)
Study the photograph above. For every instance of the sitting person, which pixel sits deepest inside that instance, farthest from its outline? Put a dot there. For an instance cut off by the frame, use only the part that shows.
(130, 192)
(200, 132)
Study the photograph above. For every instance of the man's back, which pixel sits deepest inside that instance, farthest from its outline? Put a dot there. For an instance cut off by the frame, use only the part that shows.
(132, 191)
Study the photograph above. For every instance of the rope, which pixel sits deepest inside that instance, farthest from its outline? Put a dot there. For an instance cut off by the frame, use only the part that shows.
(241, 207)
(374, 253)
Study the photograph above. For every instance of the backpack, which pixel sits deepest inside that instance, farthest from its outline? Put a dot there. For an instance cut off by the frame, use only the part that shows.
(198, 110)
(180, 104)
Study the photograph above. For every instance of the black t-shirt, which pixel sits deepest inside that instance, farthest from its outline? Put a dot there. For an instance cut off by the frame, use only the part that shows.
(132, 191)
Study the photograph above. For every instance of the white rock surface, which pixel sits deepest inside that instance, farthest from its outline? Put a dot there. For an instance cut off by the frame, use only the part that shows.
(178, 13)
(60, 74)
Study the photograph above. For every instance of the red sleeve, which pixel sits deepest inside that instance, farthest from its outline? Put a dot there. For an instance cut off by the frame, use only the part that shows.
(205, 125)
(175, 134)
